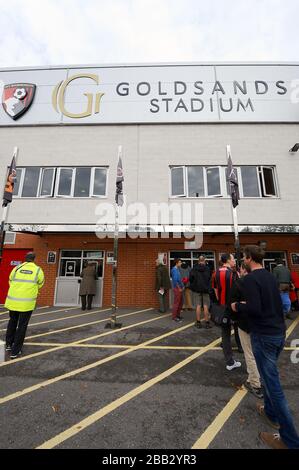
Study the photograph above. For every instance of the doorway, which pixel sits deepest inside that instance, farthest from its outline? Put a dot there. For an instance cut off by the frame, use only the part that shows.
(11, 259)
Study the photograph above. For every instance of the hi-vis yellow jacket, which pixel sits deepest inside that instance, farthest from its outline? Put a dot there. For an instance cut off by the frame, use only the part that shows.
(25, 281)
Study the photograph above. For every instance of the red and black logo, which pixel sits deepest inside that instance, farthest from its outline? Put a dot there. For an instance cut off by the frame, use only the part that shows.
(17, 99)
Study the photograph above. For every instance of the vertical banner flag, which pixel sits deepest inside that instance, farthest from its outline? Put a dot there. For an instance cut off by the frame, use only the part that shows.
(119, 196)
(233, 182)
(10, 182)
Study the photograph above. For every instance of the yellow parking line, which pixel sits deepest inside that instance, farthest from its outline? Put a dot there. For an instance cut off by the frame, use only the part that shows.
(90, 366)
(49, 333)
(95, 417)
(211, 432)
(66, 318)
(96, 346)
(44, 313)
(38, 308)
(40, 353)
(208, 436)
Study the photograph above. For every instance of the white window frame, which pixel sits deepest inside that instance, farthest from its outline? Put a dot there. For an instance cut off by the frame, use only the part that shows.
(187, 182)
(258, 182)
(261, 170)
(206, 182)
(92, 178)
(22, 182)
(58, 180)
(74, 182)
(41, 180)
(183, 167)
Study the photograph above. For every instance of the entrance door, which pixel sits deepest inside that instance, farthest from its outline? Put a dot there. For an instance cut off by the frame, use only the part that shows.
(11, 258)
(72, 263)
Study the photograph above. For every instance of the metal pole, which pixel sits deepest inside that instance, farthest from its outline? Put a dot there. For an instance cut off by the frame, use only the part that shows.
(5, 213)
(235, 221)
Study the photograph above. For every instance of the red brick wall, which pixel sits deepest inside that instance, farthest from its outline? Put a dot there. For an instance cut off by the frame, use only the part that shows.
(136, 271)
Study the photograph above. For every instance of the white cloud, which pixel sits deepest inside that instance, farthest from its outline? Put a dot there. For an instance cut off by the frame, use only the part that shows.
(50, 32)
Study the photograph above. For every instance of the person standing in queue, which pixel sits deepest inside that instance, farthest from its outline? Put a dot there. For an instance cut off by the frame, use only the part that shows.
(223, 282)
(163, 285)
(25, 282)
(178, 287)
(265, 312)
(88, 285)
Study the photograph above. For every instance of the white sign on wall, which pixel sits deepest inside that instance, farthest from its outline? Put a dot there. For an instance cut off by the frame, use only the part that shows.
(150, 94)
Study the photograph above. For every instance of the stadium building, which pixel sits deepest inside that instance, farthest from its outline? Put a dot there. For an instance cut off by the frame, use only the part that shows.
(174, 122)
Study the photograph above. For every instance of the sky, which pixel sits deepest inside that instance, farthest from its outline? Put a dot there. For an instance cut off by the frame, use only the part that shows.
(59, 32)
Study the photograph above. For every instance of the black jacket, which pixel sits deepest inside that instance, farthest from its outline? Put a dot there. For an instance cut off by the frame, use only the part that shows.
(200, 278)
(237, 295)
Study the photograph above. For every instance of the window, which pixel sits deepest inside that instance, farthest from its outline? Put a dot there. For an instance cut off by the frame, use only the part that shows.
(18, 181)
(68, 182)
(199, 181)
(65, 178)
(47, 182)
(99, 182)
(268, 181)
(72, 262)
(213, 182)
(191, 257)
(250, 181)
(178, 181)
(30, 182)
(82, 182)
(196, 181)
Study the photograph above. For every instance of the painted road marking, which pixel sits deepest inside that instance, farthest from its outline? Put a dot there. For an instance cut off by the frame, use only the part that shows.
(38, 308)
(48, 333)
(211, 432)
(66, 318)
(30, 356)
(89, 366)
(44, 313)
(95, 417)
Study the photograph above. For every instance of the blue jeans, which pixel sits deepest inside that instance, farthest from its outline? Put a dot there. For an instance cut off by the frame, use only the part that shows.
(266, 350)
(286, 302)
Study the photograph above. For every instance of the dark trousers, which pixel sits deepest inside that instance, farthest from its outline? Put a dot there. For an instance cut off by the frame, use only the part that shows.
(266, 350)
(177, 302)
(89, 301)
(16, 330)
(163, 302)
(227, 342)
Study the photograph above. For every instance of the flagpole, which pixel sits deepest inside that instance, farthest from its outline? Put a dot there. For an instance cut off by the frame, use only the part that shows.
(235, 221)
(113, 320)
(5, 212)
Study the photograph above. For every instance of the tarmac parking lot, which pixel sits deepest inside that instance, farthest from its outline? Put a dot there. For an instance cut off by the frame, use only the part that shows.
(153, 384)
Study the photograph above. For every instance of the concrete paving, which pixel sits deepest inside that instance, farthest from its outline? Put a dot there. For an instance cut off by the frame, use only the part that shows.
(108, 392)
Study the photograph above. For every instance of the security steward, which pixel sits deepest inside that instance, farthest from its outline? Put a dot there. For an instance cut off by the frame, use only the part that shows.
(25, 281)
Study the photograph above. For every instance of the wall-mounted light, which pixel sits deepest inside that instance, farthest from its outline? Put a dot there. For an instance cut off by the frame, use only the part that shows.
(294, 149)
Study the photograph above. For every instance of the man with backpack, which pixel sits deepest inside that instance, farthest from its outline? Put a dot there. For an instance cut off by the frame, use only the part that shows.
(200, 282)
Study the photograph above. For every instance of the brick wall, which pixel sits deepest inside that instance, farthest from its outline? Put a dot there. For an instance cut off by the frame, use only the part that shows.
(136, 271)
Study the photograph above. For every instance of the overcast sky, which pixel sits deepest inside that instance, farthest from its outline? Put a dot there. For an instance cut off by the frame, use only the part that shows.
(56, 32)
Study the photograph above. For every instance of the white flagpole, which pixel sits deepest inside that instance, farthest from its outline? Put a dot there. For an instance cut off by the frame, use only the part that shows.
(235, 219)
(113, 323)
(5, 210)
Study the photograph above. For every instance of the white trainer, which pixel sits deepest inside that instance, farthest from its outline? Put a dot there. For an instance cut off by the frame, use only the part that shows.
(234, 365)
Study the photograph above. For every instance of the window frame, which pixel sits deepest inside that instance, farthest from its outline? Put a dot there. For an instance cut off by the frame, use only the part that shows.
(52, 185)
(64, 196)
(22, 182)
(261, 170)
(183, 167)
(211, 167)
(92, 179)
